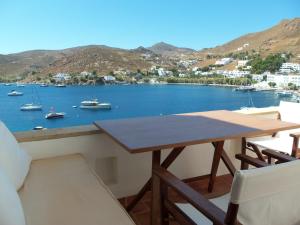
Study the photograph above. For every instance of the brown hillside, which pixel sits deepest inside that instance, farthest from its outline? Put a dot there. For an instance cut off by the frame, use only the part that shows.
(284, 37)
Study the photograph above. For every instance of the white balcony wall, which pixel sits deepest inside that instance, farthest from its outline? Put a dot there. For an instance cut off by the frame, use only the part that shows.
(125, 173)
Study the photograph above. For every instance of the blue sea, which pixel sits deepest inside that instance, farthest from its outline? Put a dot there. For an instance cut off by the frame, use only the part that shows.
(127, 101)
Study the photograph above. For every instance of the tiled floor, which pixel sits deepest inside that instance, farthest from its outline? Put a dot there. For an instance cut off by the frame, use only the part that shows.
(141, 213)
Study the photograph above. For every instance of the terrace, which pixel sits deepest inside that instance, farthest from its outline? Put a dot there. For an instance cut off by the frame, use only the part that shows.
(123, 173)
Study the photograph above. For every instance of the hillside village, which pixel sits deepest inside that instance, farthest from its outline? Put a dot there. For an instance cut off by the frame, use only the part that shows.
(270, 58)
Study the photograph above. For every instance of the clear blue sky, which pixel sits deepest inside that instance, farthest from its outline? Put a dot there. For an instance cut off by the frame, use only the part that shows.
(57, 24)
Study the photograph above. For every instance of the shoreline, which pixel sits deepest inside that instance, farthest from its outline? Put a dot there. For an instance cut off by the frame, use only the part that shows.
(160, 83)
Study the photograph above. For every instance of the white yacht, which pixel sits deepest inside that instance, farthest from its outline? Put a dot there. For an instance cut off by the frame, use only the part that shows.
(60, 85)
(31, 107)
(245, 88)
(55, 115)
(15, 93)
(94, 104)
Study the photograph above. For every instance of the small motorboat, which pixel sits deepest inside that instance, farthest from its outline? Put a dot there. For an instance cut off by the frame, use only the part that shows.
(60, 85)
(245, 88)
(7, 84)
(44, 85)
(94, 104)
(284, 94)
(39, 128)
(55, 115)
(31, 107)
(20, 85)
(15, 93)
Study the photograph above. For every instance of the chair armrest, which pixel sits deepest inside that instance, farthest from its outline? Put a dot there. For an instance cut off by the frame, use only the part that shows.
(277, 155)
(207, 208)
(252, 161)
(295, 135)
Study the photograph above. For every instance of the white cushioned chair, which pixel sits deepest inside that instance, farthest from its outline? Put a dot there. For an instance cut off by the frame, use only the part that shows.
(261, 196)
(285, 141)
(61, 190)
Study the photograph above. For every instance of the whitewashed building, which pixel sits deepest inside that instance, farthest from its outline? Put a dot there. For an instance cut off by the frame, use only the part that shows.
(61, 77)
(283, 80)
(258, 77)
(109, 78)
(85, 74)
(289, 67)
(161, 72)
(233, 73)
(223, 61)
(242, 63)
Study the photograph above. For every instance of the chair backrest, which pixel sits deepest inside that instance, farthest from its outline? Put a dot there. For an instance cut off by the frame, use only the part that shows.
(268, 195)
(289, 111)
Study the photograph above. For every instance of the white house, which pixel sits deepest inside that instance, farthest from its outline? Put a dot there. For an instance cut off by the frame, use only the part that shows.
(109, 78)
(195, 69)
(233, 73)
(61, 77)
(85, 74)
(258, 77)
(283, 80)
(289, 67)
(223, 61)
(242, 63)
(161, 72)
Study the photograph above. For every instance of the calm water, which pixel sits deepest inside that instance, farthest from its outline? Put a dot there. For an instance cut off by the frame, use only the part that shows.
(127, 101)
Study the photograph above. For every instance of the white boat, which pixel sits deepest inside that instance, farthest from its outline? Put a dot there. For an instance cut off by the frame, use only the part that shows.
(94, 104)
(20, 85)
(7, 84)
(39, 128)
(245, 88)
(60, 85)
(284, 93)
(55, 115)
(44, 85)
(15, 93)
(31, 107)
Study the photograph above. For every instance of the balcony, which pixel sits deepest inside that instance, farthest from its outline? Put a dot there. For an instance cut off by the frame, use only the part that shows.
(123, 173)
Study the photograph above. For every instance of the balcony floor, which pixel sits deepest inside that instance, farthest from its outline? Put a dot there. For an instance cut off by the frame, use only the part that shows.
(141, 213)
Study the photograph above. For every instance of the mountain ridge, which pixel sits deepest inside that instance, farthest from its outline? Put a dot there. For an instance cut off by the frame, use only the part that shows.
(283, 37)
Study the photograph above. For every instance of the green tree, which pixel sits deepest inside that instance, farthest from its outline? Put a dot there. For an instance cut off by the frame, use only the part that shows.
(272, 84)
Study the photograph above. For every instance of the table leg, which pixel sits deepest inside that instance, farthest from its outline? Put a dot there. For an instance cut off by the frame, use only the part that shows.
(215, 164)
(225, 158)
(166, 163)
(156, 209)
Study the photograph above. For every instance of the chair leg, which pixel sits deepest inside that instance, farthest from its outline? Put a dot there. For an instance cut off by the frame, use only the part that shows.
(295, 147)
(244, 165)
(257, 151)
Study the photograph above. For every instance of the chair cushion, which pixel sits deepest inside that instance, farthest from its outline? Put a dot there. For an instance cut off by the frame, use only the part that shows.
(198, 217)
(65, 191)
(289, 112)
(11, 212)
(268, 195)
(14, 160)
(282, 142)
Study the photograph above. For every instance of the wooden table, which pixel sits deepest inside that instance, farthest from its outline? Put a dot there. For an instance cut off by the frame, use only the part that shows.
(153, 134)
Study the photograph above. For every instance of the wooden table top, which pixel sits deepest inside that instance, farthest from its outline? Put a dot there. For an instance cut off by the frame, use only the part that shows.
(161, 132)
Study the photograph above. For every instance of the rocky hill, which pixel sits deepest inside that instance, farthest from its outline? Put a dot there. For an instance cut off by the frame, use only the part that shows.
(98, 58)
(165, 49)
(283, 37)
